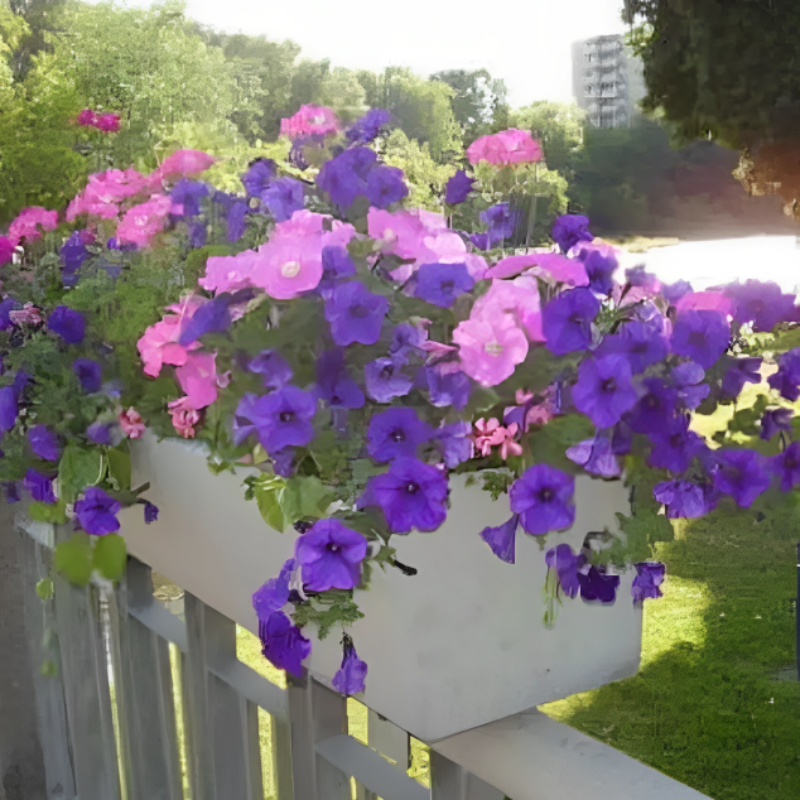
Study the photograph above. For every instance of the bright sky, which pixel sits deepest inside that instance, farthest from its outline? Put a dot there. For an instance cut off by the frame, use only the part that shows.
(527, 43)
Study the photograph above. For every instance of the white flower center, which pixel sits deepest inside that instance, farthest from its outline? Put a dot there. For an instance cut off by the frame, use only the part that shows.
(388, 234)
(493, 348)
(290, 269)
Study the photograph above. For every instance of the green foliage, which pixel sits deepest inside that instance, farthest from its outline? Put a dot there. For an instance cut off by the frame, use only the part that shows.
(119, 467)
(497, 483)
(110, 556)
(74, 559)
(283, 502)
(44, 588)
(548, 445)
(79, 468)
(52, 513)
(332, 608)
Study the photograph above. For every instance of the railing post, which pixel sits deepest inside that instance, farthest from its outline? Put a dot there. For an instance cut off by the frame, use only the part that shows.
(449, 781)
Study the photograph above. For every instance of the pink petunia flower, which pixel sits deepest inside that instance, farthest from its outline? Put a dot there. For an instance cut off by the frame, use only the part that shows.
(516, 300)
(144, 221)
(507, 147)
(27, 315)
(103, 193)
(87, 118)
(198, 379)
(108, 123)
(131, 423)
(159, 344)
(287, 267)
(310, 119)
(184, 417)
(707, 301)
(490, 348)
(28, 222)
(229, 273)
(7, 248)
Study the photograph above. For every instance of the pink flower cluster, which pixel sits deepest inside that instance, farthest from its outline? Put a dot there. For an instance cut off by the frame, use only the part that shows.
(131, 423)
(181, 164)
(507, 147)
(142, 222)
(424, 237)
(104, 192)
(29, 221)
(490, 433)
(29, 314)
(310, 119)
(287, 265)
(7, 248)
(108, 123)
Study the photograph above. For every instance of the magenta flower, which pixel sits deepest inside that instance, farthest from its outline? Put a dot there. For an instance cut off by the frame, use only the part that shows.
(198, 379)
(411, 495)
(310, 119)
(87, 118)
(108, 123)
(282, 644)
(517, 300)
(288, 266)
(543, 497)
(130, 421)
(229, 273)
(349, 679)
(502, 539)
(159, 345)
(507, 147)
(141, 223)
(355, 314)
(28, 222)
(490, 349)
(184, 417)
(330, 556)
(7, 249)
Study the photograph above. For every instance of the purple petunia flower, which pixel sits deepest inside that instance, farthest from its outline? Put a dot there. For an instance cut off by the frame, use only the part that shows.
(334, 385)
(274, 594)
(345, 177)
(687, 379)
(649, 576)
(786, 466)
(411, 494)
(189, 193)
(740, 371)
(198, 234)
(97, 512)
(458, 188)
(446, 389)
(100, 433)
(441, 284)
(236, 219)
(336, 265)
(386, 185)
(566, 564)
(702, 336)
(282, 198)
(73, 253)
(355, 314)
(760, 302)
(773, 421)
(742, 474)
(21, 380)
(787, 379)
(330, 555)
(675, 445)
(385, 379)
(639, 342)
(89, 374)
(367, 128)
(596, 585)
(273, 367)
(640, 278)
(68, 324)
(151, 513)
(543, 497)
(407, 340)
(11, 492)
(212, 317)
(569, 229)
(349, 679)
(596, 456)
(281, 419)
(259, 176)
(8, 408)
(604, 391)
(600, 267)
(502, 539)
(44, 443)
(40, 486)
(674, 291)
(655, 407)
(454, 442)
(684, 499)
(282, 644)
(501, 221)
(396, 432)
(6, 307)
(568, 321)
(480, 240)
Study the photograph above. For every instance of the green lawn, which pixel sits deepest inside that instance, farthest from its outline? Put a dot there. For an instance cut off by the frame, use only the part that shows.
(714, 704)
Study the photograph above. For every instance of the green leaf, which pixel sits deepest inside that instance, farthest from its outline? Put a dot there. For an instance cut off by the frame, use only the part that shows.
(119, 467)
(79, 468)
(268, 501)
(304, 497)
(44, 588)
(549, 444)
(786, 341)
(110, 556)
(74, 559)
(49, 669)
(54, 513)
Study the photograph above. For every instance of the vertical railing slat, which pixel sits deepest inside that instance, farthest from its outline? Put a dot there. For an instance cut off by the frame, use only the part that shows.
(450, 781)
(196, 704)
(51, 709)
(85, 666)
(389, 740)
(145, 699)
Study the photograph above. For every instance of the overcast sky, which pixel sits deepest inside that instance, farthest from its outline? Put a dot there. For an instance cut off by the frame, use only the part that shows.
(524, 42)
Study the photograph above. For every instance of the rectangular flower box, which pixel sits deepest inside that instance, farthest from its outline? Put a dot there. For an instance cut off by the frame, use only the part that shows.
(458, 645)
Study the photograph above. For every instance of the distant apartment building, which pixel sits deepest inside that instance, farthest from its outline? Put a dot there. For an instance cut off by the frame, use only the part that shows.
(607, 81)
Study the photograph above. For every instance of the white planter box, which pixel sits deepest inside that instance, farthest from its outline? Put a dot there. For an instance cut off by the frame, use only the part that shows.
(460, 644)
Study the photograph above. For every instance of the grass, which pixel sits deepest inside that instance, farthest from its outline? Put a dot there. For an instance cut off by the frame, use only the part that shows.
(715, 704)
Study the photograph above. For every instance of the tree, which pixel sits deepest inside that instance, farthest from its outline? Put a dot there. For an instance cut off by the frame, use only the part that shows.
(478, 100)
